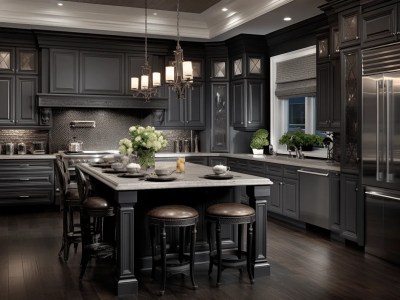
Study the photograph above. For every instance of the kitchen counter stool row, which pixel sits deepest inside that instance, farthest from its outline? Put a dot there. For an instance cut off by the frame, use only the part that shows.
(99, 242)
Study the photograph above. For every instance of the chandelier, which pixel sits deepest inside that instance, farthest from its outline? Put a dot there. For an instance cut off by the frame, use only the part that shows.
(179, 76)
(148, 84)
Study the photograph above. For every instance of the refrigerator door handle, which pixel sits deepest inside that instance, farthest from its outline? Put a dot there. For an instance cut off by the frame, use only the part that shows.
(389, 111)
(379, 92)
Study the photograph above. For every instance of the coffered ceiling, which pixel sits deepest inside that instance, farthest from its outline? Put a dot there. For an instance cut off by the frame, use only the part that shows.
(199, 19)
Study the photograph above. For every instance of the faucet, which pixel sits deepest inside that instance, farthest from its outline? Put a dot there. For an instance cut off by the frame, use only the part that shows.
(299, 152)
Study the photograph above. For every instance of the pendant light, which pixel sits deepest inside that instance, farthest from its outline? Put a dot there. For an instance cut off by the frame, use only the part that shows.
(147, 86)
(179, 76)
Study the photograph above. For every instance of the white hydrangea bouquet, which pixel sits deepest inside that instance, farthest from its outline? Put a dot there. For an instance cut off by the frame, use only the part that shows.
(145, 142)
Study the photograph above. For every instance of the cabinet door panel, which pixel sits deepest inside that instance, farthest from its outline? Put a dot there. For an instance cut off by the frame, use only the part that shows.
(255, 104)
(335, 107)
(7, 108)
(195, 106)
(238, 113)
(334, 192)
(64, 66)
(101, 73)
(379, 26)
(7, 60)
(175, 113)
(274, 202)
(323, 95)
(26, 112)
(27, 62)
(349, 28)
(290, 201)
(219, 117)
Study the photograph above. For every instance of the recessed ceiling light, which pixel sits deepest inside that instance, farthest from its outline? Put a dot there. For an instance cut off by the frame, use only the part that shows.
(224, 9)
(60, 4)
(287, 19)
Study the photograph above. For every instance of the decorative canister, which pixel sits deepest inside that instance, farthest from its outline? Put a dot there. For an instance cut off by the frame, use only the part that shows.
(9, 148)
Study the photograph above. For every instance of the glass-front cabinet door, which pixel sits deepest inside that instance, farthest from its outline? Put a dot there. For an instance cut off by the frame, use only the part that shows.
(349, 28)
(7, 58)
(18, 60)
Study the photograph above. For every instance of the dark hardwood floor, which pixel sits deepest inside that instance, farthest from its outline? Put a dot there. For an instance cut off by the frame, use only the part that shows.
(304, 265)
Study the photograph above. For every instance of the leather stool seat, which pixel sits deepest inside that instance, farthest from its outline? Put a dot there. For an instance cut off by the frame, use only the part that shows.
(230, 210)
(95, 202)
(230, 214)
(173, 212)
(177, 216)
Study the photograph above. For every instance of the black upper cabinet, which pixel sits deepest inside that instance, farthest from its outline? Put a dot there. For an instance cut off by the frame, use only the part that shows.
(380, 25)
(18, 100)
(64, 71)
(328, 96)
(101, 73)
(349, 27)
(247, 98)
(188, 112)
(18, 60)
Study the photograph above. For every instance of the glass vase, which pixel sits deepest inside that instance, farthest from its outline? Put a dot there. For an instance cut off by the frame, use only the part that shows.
(145, 158)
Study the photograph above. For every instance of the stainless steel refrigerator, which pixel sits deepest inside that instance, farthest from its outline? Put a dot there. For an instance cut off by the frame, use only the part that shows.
(381, 150)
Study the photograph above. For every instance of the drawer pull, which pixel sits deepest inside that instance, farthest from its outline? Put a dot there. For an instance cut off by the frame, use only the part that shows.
(24, 196)
(24, 179)
(313, 173)
(24, 165)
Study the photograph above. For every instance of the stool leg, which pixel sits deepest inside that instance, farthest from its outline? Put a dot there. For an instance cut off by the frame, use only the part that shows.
(153, 249)
(192, 255)
(239, 253)
(181, 243)
(210, 265)
(249, 250)
(163, 242)
(219, 253)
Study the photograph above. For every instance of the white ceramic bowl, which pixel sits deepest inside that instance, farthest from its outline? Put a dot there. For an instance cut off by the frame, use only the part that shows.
(117, 166)
(220, 169)
(163, 172)
(133, 168)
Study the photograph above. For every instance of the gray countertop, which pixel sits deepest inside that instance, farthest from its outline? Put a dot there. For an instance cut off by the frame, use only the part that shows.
(192, 178)
(277, 159)
(29, 156)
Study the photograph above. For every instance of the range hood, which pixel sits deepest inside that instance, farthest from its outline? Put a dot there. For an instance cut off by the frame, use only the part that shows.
(99, 101)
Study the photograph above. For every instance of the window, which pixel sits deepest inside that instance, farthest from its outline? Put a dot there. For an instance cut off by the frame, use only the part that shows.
(292, 113)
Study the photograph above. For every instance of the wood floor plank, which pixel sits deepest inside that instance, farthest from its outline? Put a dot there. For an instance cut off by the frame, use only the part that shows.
(305, 264)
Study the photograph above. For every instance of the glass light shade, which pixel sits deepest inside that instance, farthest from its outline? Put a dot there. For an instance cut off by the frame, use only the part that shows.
(156, 78)
(144, 82)
(187, 70)
(134, 83)
(169, 74)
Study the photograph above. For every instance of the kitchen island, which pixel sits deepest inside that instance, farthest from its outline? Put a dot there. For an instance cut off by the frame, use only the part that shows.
(134, 197)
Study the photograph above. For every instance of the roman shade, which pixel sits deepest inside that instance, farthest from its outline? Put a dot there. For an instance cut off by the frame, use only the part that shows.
(296, 77)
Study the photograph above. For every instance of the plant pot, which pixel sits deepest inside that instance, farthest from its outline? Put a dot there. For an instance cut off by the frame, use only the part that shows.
(258, 151)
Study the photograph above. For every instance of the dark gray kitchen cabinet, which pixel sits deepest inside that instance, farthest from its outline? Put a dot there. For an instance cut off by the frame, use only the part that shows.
(380, 25)
(64, 71)
(349, 27)
(15, 60)
(328, 96)
(102, 73)
(351, 110)
(352, 209)
(323, 52)
(24, 181)
(18, 105)
(188, 112)
(219, 117)
(284, 198)
(248, 104)
(334, 206)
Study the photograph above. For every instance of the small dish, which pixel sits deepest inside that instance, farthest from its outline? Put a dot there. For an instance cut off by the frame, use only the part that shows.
(218, 176)
(163, 172)
(113, 171)
(131, 175)
(162, 178)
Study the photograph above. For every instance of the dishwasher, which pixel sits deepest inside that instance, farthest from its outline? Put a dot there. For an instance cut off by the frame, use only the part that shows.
(314, 197)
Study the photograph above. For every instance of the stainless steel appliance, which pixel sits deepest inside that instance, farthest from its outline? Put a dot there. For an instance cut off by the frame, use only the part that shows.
(381, 149)
(314, 197)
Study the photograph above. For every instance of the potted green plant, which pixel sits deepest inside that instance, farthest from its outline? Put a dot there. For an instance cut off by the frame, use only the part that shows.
(259, 140)
(300, 139)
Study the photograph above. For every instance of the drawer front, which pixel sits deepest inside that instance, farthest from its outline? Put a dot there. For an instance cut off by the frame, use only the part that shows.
(25, 164)
(26, 196)
(256, 168)
(289, 172)
(274, 170)
(26, 179)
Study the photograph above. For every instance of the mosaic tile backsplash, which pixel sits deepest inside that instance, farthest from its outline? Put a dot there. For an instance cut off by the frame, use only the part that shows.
(16, 136)
(111, 126)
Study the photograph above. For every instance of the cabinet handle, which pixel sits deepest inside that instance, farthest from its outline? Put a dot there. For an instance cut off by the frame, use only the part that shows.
(357, 37)
(280, 183)
(383, 196)
(356, 189)
(249, 122)
(24, 165)
(398, 32)
(327, 121)
(24, 196)
(394, 33)
(24, 179)
(313, 173)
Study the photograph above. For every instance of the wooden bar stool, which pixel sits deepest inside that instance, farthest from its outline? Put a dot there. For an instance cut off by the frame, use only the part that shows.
(70, 203)
(178, 216)
(94, 210)
(230, 213)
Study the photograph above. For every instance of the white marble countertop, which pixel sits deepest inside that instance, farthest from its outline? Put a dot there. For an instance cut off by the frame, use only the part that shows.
(192, 178)
(28, 156)
(278, 159)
